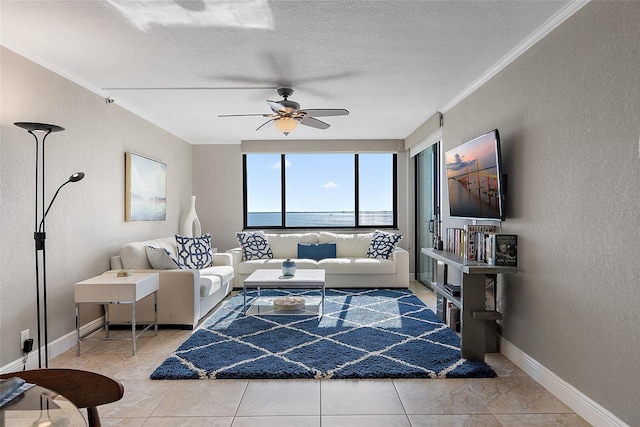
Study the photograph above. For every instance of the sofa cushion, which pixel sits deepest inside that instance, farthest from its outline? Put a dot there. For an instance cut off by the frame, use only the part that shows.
(194, 252)
(316, 251)
(361, 266)
(223, 271)
(161, 259)
(134, 254)
(254, 245)
(286, 245)
(348, 245)
(383, 244)
(209, 284)
(168, 243)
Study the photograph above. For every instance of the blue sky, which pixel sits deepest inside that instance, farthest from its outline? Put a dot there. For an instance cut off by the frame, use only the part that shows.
(319, 182)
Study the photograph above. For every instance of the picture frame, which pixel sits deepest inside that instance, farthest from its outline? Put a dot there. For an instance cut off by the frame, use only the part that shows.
(145, 188)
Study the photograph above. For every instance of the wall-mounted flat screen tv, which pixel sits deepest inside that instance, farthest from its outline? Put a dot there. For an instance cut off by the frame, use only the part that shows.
(474, 178)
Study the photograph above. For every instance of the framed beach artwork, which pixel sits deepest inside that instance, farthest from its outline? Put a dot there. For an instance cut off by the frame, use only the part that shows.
(145, 188)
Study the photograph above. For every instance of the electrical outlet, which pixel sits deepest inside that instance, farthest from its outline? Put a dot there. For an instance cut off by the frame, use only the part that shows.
(24, 335)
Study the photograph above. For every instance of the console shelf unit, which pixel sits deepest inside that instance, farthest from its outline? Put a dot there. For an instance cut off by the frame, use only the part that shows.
(476, 334)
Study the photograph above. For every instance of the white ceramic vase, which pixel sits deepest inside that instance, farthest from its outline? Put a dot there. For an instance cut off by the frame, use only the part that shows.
(191, 223)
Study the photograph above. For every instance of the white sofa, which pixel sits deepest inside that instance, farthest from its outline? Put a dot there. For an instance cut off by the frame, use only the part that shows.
(350, 269)
(184, 296)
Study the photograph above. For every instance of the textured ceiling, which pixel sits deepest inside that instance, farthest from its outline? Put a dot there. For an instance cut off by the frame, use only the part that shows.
(391, 63)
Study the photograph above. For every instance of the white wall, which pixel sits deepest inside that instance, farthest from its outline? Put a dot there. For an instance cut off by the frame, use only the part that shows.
(568, 111)
(217, 185)
(86, 224)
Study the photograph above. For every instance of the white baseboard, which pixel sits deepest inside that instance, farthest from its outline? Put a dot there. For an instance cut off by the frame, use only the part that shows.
(582, 405)
(56, 348)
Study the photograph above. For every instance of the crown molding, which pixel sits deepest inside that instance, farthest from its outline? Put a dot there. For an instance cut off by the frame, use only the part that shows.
(557, 19)
(26, 53)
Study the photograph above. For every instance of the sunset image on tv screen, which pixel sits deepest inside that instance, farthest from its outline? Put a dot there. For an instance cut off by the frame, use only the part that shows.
(473, 178)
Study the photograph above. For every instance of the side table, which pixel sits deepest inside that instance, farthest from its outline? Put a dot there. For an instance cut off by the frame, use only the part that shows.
(108, 289)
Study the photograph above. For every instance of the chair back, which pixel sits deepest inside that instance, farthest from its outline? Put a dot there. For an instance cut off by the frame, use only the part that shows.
(84, 389)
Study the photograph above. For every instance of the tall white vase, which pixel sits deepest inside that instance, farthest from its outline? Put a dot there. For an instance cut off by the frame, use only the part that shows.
(191, 223)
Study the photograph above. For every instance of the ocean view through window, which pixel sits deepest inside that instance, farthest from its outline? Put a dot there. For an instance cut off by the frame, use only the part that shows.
(320, 190)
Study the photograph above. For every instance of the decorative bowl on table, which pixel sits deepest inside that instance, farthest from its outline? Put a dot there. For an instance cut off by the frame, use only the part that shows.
(288, 304)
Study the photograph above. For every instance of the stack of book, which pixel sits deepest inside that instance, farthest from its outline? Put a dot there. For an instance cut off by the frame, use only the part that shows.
(503, 250)
(455, 240)
(483, 243)
(453, 289)
(475, 241)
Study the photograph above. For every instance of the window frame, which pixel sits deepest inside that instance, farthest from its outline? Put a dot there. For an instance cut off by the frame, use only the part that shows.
(283, 198)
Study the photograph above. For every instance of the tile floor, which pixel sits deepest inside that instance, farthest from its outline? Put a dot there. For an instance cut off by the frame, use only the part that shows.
(512, 399)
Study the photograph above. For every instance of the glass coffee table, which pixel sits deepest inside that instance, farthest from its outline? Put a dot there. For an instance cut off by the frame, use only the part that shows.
(273, 279)
(39, 406)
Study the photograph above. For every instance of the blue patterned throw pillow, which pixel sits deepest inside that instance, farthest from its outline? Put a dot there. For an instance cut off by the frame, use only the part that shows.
(162, 259)
(194, 252)
(254, 245)
(383, 244)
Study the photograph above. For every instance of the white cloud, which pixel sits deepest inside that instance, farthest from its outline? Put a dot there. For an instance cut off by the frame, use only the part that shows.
(329, 185)
(276, 165)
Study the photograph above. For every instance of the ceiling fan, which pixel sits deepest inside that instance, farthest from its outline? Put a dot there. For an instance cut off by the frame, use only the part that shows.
(286, 115)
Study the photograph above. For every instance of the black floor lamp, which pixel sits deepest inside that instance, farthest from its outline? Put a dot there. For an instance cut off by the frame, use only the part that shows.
(39, 234)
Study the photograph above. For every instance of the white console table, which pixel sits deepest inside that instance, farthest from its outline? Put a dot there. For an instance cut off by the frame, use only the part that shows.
(475, 335)
(111, 289)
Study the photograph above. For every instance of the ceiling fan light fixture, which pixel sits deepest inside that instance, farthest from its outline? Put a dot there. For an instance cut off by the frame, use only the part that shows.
(286, 125)
(287, 114)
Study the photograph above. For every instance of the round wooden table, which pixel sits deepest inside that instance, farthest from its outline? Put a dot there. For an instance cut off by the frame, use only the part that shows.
(41, 407)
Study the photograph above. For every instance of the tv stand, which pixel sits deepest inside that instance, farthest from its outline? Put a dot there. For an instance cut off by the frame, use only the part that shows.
(476, 334)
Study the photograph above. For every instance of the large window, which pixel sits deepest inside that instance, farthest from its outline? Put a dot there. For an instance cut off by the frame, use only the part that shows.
(320, 190)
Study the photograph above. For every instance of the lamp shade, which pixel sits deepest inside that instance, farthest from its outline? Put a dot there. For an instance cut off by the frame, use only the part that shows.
(286, 125)
(39, 127)
(76, 177)
(73, 178)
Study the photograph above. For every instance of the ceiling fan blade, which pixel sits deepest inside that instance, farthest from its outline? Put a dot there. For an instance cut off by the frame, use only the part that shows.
(314, 123)
(265, 123)
(244, 115)
(276, 107)
(325, 112)
(192, 88)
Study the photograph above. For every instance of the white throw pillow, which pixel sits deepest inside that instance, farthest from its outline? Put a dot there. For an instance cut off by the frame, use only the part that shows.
(383, 244)
(194, 252)
(254, 245)
(162, 259)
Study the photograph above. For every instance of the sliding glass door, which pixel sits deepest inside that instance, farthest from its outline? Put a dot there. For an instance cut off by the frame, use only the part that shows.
(427, 208)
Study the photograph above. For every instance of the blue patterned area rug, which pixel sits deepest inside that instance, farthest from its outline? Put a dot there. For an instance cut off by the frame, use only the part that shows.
(364, 333)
